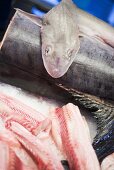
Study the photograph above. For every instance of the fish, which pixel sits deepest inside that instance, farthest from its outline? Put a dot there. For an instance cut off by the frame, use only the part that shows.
(60, 31)
(86, 74)
(24, 72)
(60, 39)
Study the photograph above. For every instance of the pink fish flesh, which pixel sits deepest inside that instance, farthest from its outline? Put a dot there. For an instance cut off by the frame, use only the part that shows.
(38, 140)
(35, 123)
(75, 139)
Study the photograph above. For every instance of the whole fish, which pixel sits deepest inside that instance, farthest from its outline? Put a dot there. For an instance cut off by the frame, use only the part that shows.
(60, 31)
(21, 47)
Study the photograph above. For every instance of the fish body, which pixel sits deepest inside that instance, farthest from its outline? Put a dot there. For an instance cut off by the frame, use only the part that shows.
(60, 39)
(26, 66)
(86, 74)
(60, 32)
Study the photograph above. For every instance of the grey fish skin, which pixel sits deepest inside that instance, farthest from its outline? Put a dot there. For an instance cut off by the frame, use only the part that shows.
(21, 47)
(60, 35)
(60, 38)
(29, 82)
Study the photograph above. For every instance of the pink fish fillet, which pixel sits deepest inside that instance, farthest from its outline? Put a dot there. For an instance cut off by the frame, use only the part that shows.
(75, 139)
(44, 154)
(108, 163)
(13, 112)
(34, 141)
(8, 158)
(12, 155)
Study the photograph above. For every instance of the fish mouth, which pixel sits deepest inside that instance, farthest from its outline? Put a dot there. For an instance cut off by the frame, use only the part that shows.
(56, 71)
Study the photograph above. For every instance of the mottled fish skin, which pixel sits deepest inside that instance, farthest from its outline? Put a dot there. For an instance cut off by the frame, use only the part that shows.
(108, 163)
(71, 125)
(60, 39)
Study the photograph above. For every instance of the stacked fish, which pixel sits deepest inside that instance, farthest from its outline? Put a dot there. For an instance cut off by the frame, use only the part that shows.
(56, 138)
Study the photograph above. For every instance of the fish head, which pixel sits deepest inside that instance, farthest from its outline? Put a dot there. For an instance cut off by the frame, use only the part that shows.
(60, 41)
(57, 58)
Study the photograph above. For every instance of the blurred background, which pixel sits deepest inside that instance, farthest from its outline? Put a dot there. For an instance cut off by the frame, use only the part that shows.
(103, 9)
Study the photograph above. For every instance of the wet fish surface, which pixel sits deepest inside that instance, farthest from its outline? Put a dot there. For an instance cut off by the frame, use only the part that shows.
(75, 129)
(90, 77)
(60, 31)
(86, 74)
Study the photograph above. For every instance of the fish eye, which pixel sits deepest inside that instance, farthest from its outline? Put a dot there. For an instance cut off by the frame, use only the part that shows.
(47, 50)
(69, 54)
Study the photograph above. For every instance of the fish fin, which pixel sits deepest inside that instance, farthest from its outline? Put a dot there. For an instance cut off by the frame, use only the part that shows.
(34, 18)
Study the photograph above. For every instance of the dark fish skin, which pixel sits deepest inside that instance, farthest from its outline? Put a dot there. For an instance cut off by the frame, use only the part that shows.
(103, 112)
(104, 146)
(92, 71)
(29, 82)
